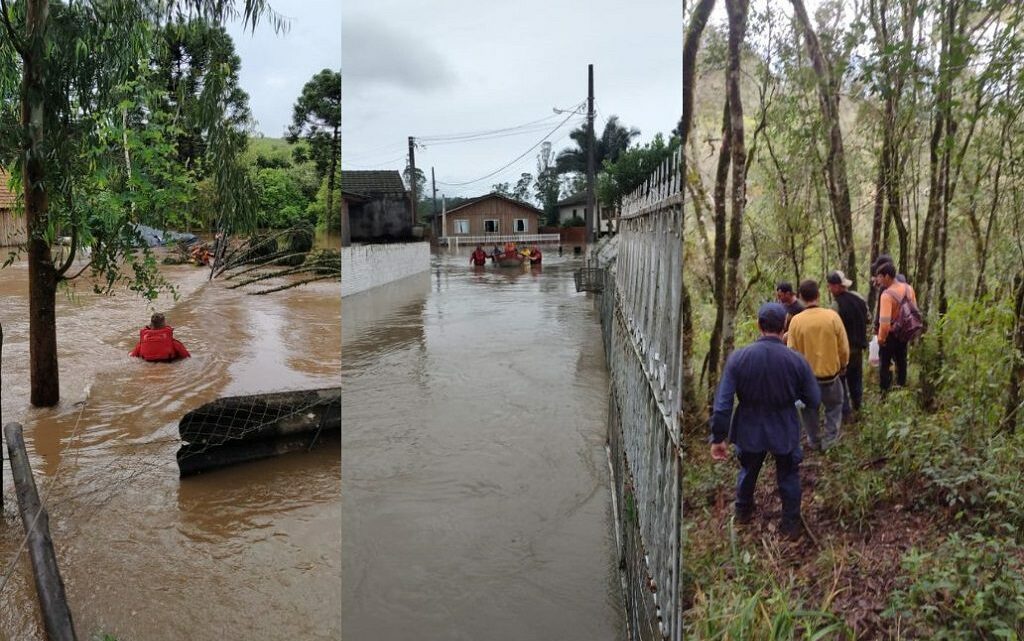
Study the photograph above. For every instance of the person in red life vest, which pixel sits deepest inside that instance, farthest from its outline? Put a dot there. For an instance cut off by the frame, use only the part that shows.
(157, 342)
(535, 256)
(478, 257)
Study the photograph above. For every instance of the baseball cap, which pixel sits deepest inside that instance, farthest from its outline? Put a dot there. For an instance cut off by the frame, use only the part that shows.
(771, 317)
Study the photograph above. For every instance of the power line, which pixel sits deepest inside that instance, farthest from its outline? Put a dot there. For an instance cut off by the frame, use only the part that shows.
(475, 134)
(516, 159)
(534, 129)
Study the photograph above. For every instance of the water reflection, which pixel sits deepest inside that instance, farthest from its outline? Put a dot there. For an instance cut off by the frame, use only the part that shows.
(477, 502)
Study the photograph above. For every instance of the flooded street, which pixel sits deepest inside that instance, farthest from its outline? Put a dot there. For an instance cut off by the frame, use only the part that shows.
(477, 503)
(251, 552)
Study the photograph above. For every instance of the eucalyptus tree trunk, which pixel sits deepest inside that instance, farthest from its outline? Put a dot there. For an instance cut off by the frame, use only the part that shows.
(835, 162)
(335, 154)
(737, 11)
(721, 179)
(42, 275)
(698, 21)
(889, 179)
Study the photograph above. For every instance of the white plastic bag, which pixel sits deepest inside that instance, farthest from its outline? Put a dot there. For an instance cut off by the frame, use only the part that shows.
(873, 359)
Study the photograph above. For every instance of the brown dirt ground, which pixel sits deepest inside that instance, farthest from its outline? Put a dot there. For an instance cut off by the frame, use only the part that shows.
(866, 562)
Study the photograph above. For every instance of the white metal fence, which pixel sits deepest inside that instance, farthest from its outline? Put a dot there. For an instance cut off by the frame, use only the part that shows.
(453, 242)
(641, 318)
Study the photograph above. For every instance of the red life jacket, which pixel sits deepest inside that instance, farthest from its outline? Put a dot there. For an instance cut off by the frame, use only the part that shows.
(479, 257)
(159, 345)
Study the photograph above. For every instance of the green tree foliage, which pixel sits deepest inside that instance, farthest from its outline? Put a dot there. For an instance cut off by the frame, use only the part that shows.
(78, 69)
(317, 119)
(632, 167)
(614, 140)
(187, 52)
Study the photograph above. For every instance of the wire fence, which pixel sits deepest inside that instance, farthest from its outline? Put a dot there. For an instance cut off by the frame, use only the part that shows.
(641, 311)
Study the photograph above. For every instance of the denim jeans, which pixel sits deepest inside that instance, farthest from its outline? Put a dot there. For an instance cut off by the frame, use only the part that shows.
(832, 396)
(854, 381)
(787, 473)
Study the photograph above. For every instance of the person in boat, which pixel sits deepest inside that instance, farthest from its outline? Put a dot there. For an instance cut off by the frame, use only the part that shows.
(535, 256)
(510, 250)
(478, 257)
(496, 254)
(157, 342)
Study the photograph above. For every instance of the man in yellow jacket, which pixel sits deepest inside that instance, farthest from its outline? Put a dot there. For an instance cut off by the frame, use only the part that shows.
(819, 335)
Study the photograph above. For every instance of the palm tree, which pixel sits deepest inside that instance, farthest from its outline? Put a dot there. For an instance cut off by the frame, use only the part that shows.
(614, 140)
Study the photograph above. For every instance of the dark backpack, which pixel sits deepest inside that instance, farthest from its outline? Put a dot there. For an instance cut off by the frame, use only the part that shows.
(907, 325)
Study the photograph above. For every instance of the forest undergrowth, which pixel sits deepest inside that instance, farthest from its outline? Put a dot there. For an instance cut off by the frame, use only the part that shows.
(913, 522)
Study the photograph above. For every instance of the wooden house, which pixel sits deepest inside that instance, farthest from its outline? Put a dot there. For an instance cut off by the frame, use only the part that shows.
(494, 214)
(12, 222)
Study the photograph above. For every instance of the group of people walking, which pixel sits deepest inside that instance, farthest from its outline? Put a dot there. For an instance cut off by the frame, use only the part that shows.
(808, 359)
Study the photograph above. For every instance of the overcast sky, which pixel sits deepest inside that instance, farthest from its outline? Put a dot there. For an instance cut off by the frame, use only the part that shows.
(276, 66)
(450, 67)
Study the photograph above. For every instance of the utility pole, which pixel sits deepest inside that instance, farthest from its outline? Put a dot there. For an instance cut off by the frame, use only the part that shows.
(590, 214)
(412, 176)
(433, 205)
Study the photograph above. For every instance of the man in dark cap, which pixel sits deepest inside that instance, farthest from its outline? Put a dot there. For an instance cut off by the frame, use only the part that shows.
(768, 379)
(853, 311)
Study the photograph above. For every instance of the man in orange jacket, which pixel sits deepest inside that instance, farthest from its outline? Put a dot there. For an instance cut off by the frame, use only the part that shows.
(157, 342)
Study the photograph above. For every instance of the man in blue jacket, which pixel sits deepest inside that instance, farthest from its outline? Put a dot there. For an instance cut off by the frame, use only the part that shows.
(768, 379)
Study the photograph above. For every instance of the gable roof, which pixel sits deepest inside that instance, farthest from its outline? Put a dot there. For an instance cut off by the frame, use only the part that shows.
(575, 199)
(372, 182)
(495, 194)
(8, 199)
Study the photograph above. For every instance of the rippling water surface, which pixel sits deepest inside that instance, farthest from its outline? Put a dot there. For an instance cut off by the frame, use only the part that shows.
(251, 552)
(477, 504)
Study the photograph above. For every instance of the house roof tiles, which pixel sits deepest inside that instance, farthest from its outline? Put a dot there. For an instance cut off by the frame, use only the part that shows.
(367, 183)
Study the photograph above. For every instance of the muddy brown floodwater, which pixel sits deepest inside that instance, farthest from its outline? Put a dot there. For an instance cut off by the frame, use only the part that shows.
(251, 552)
(477, 504)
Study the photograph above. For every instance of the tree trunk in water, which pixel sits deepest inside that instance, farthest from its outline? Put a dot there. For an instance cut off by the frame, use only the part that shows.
(42, 277)
(835, 163)
(721, 178)
(737, 10)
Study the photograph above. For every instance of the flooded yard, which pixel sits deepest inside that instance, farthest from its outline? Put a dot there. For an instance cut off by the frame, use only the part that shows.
(242, 553)
(477, 503)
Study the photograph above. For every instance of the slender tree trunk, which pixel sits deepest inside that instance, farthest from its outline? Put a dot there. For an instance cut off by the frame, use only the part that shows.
(835, 162)
(1011, 411)
(691, 43)
(721, 179)
(335, 154)
(737, 10)
(42, 277)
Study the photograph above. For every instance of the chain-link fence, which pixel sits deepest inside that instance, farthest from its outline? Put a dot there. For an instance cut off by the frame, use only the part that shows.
(641, 308)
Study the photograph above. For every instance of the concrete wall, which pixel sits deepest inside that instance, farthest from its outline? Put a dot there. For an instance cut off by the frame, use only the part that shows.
(366, 266)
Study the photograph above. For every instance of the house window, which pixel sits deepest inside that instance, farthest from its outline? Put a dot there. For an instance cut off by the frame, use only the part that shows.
(461, 226)
(491, 226)
(520, 225)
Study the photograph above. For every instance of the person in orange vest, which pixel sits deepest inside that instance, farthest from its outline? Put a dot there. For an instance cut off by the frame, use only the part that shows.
(157, 342)
(478, 257)
(535, 256)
